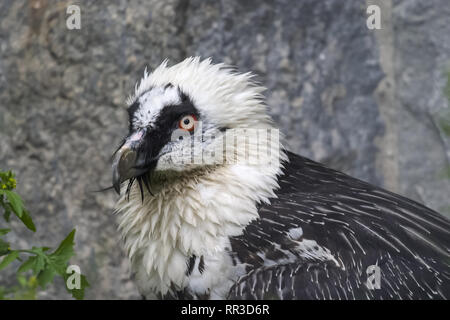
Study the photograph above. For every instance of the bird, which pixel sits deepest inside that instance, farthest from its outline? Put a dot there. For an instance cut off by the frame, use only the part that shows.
(213, 206)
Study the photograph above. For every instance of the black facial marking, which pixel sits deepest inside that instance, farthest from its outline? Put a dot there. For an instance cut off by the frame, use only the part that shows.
(201, 265)
(157, 137)
(190, 265)
(170, 115)
(166, 122)
(169, 85)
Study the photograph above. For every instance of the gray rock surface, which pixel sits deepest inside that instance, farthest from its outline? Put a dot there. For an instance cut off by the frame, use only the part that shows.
(367, 102)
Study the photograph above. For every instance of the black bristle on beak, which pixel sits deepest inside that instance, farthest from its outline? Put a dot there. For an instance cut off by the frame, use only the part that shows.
(139, 179)
(147, 183)
(130, 184)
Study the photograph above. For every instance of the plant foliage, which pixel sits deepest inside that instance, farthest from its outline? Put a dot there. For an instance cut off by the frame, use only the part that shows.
(43, 262)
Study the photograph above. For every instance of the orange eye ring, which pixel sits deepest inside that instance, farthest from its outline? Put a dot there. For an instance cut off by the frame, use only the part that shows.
(187, 122)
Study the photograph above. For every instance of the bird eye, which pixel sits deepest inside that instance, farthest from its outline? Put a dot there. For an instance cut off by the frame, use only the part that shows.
(187, 122)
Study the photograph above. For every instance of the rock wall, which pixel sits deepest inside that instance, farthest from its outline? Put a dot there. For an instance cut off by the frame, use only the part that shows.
(368, 102)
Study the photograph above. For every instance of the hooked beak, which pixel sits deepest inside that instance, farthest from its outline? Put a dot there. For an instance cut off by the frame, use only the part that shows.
(125, 163)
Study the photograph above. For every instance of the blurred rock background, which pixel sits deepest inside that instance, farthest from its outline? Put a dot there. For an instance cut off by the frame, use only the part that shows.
(368, 102)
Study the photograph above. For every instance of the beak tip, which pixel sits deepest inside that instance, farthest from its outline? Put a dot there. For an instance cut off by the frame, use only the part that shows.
(123, 166)
(116, 181)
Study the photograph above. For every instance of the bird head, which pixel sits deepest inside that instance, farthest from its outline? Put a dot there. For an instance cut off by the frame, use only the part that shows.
(179, 114)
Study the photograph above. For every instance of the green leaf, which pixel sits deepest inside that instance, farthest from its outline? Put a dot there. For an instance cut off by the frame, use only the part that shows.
(15, 201)
(22, 280)
(7, 207)
(27, 265)
(16, 205)
(65, 250)
(46, 276)
(8, 259)
(59, 258)
(4, 247)
(39, 264)
(7, 214)
(40, 260)
(4, 231)
(27, 221)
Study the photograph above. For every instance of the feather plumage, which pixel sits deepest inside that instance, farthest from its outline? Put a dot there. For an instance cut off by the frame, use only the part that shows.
(353, 225)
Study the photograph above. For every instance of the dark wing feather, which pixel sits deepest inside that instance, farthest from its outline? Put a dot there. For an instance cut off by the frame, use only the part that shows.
(354, 223)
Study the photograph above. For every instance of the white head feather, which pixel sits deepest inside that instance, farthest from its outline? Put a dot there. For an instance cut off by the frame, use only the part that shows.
(221, 94)
(196, 212)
